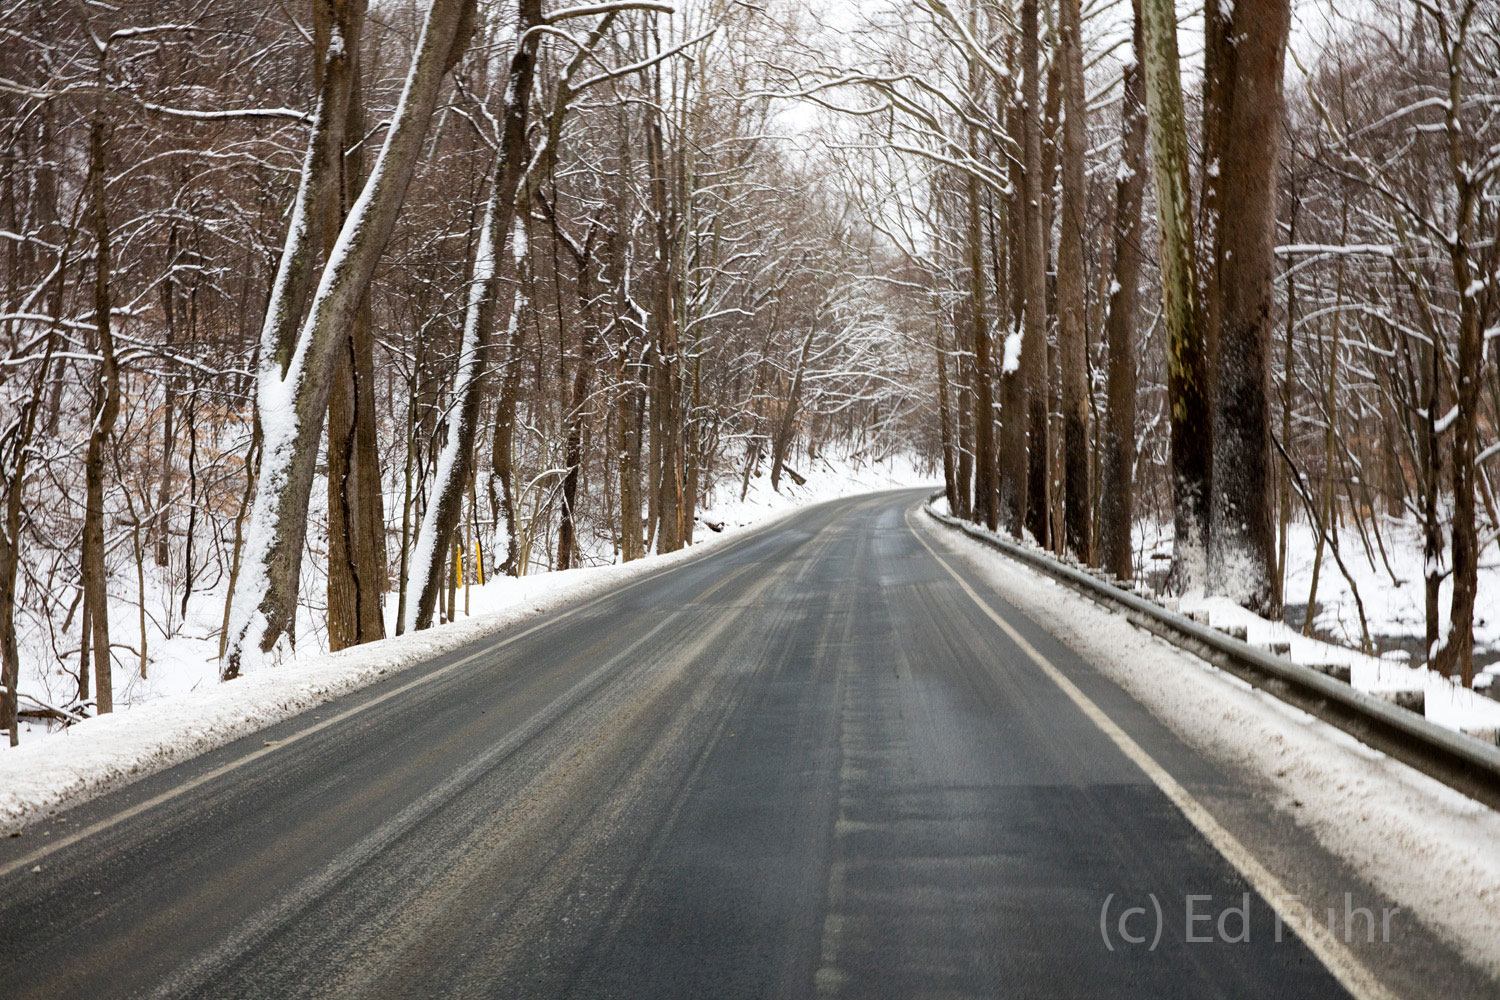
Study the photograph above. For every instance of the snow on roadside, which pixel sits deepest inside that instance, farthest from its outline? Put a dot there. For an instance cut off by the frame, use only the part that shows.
(1425, 846)
(45, 774)
(1446, 703)
(1390, 581)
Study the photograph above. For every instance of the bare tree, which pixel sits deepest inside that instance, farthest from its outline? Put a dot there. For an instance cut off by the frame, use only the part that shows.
(295, 380)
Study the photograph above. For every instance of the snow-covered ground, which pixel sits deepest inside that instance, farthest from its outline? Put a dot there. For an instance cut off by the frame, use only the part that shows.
(1388, 576)
(1425, 846)
(1391, 589)
(181, 710)
(1393, 609)
(1445, 702)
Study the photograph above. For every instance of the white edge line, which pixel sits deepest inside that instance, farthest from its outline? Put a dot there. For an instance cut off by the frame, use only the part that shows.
(1339, 960)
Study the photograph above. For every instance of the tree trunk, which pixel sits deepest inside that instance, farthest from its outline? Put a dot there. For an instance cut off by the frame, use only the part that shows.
(502, 456)
(1284, 482)
(292, 396)
(15, 451)
(1187, 361)
(1035, 499)
(356, 516)
(784, 427)
(629, 426)
(964, 474)
(106, 410)
(986, 478)
(161, 524)
(1218, 94)
(1013, 466)
(945, 422)
(1242, 539)
(1432, 531)
(441, 519)
(583, 368)
(1457, 652)
(1117, 488)
(1330, 437)
(1072, 337)
(440, 523)
(666, 404)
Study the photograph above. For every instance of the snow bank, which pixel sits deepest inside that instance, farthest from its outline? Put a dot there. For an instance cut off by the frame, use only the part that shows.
(1428, 848)
(94, 756)
(50, 772)
(1389, 576)
(1443, 701)
(1446, 703)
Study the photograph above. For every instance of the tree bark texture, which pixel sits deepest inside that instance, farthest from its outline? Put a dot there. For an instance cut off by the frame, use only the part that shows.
(1242, 538)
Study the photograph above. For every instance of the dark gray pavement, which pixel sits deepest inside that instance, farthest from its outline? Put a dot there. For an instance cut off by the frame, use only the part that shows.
(806, 764)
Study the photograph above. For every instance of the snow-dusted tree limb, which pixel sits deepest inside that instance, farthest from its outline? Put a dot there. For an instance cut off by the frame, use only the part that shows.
(232, 114)
(292, 395)
(613, 7)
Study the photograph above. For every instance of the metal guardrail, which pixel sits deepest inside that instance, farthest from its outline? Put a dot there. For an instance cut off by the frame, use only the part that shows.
(1458, 761)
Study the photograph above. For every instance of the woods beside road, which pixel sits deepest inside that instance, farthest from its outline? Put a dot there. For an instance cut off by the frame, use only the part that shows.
(315, 316)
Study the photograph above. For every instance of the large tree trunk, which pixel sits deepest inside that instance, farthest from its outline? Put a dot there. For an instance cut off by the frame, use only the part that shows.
(1458, 651)
(629, 402)
(356, 516)
(357, 577)
(1217, 95)
(292, 395)
(1242, 538)
(666, 402)
(1035, 500)
(502, 457)
(1117, 488)
(1187, 361)
(1072, 337)
(986, 484)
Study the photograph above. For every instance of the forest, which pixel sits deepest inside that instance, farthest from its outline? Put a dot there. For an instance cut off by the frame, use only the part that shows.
(314, 315)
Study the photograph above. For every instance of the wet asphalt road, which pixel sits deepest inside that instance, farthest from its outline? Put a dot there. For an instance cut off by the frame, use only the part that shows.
(805, 764)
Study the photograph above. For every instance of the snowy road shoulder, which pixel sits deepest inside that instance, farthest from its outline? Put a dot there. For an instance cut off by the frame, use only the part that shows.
(103, 753)
(1420, 843)
(44, 775)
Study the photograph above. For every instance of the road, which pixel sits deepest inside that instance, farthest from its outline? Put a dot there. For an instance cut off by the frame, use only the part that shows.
(805, 764)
